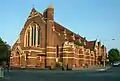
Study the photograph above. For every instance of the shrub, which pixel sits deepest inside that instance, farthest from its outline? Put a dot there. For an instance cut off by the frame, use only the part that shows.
(59, 64)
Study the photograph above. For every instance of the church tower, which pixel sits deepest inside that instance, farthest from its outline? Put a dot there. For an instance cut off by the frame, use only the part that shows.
(49, 13)
(49, 35)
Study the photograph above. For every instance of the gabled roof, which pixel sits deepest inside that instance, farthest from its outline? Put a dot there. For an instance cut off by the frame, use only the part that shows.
(90, 44)
(59, 28)
(34, 12)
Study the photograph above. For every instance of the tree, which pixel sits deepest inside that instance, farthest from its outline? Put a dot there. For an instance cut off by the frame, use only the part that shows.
(4, 51)
(113, 55)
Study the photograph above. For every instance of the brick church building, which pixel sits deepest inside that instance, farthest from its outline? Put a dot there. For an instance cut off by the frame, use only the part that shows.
(43, 42)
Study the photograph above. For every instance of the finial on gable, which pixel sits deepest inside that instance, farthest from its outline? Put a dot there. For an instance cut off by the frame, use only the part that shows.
(33, 8)
(33, 13)
(33, 5)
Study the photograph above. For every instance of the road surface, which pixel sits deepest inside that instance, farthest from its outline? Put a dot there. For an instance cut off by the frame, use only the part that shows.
(111, 74)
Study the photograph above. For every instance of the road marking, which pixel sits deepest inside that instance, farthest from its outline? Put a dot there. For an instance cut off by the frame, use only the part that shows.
(101, 69)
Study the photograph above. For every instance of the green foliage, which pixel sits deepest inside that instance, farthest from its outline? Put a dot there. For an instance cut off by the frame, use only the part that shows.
(59, 64)
(79, 44)
(4, 51)
(114, 55)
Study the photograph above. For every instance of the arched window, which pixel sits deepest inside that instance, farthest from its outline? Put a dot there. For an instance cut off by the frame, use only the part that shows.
(17, 53)
(39, 37)
(34, 35)
(31, 34)
(28, 37)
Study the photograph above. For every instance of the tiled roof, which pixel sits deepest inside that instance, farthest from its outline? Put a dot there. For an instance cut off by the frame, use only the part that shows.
(90, 44)
(59, 28)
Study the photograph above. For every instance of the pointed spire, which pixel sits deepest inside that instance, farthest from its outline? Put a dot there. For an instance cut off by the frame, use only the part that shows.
(33, 10)
(33, 13)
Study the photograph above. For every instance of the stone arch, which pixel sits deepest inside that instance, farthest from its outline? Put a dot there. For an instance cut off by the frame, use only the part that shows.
(17, 53)
(18, 49)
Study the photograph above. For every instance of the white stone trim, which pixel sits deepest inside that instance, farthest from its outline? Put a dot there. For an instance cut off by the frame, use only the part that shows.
(15, 64)
(68, 52)
(51, 57)
(33, 33)
(30, 34)
(67, 57)
(40, 58)
(25, 40)
(51, 52)
(60, 46)
(64, 47)
(50, 47)
(57, 59)
(67, 46)
(33, 50)
(64, 57)
(12, 52)
(19, 49)
(36, 35)
(30, 65)
(11, 57)
(32, 16)
(43, 20)
(42, 48)
(31, 57)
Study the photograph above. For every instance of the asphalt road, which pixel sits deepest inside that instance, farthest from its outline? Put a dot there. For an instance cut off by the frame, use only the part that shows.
(112, 74)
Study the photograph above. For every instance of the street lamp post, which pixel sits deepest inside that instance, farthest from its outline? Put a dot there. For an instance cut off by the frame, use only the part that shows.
(105, 59)
(8, 59)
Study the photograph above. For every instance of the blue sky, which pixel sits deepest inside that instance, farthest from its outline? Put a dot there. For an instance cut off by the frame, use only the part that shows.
(93, 19)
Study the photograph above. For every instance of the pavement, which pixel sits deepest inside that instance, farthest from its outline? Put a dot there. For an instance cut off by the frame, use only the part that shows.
(110, 74)
(93, 68)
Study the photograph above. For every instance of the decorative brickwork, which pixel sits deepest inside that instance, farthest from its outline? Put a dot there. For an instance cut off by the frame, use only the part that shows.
(45, 43)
